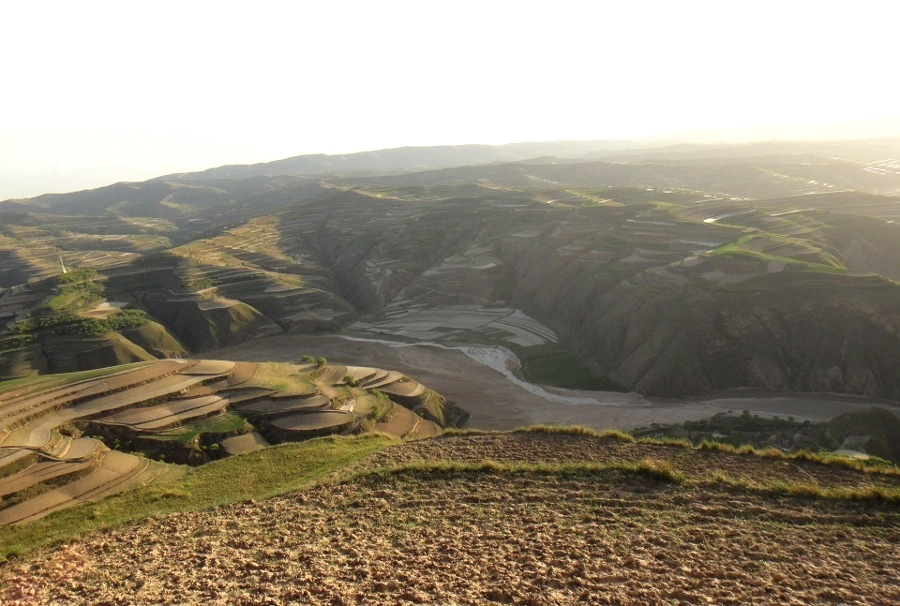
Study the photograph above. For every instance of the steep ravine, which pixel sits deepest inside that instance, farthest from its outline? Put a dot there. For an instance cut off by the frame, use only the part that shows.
(812, 333)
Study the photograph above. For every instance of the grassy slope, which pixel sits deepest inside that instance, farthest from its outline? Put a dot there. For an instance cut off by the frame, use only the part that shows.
(484, 517)
(281, 469)
(256, 475)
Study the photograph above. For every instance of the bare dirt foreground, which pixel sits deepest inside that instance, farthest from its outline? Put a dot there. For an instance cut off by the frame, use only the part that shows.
(498, 534)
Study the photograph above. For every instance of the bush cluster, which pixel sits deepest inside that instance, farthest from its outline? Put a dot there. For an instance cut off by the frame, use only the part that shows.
(69, 324)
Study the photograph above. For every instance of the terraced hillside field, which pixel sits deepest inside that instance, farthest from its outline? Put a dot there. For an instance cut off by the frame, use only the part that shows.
(69, 439)
(665, 272)
(530, 517)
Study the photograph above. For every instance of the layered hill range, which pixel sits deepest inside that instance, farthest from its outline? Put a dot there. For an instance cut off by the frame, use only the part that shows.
(669, 271)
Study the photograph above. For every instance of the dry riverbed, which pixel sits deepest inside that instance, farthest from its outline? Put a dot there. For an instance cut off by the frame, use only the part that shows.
(496, 402)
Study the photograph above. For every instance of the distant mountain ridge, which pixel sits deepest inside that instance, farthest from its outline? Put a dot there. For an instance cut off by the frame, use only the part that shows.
(407, 159)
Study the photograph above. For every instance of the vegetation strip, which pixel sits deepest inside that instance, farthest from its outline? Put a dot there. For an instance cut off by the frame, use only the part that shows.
(653, 468)
(873, 465)
(812, 491)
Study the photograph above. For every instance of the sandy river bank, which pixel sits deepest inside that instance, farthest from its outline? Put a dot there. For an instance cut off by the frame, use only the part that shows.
(481, 381)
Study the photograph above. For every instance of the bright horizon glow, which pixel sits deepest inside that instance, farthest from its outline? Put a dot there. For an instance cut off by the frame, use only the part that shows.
(97, 92)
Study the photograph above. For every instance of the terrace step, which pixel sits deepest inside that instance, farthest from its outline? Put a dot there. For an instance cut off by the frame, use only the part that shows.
(59, 450)
(38, 473)
(114, 471)
(81, 449)
(247, 442)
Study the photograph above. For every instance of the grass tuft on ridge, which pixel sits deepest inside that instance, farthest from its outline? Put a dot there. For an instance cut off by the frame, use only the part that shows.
(651, 468)
(577, 430)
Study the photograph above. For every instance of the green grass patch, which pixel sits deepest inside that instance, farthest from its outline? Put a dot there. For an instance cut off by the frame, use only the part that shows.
(551, 365)
(76, 290)
(753, 249)
(219, 424)
(67, 323)
(256, 475)
(593, 199)
(283, 377)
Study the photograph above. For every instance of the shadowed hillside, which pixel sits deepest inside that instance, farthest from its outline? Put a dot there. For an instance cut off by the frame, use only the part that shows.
(679, 273)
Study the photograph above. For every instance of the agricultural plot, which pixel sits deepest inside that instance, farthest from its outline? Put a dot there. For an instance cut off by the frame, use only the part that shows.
(284, 405)
(407, 389)
(312, 424)
(62, 441)
(115, 470)
(405, 423)
(461, 323)
(172, 413)
(248, 442)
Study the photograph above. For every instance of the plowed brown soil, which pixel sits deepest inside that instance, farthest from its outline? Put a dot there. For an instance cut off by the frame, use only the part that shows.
(489, 537)
(698, 465)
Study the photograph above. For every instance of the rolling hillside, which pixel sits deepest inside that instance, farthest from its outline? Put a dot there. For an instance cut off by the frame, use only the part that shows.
(677, 273)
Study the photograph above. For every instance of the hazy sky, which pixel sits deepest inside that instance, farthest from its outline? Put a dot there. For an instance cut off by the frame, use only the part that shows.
(95, 92)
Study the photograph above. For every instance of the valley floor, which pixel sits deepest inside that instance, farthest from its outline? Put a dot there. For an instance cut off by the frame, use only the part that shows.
(421, 522)
(499, 404)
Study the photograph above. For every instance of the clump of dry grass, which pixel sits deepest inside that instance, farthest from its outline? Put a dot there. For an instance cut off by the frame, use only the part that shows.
(876, 466)
(457, 431)
(578, 430)
(811, 490)
(617, 435)
(873, 466)
(667, 441)
(715, 445)
(660, 469)
(569, 430)
(651, 468)
(842, 493)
